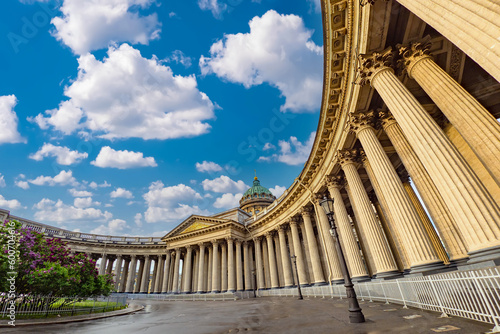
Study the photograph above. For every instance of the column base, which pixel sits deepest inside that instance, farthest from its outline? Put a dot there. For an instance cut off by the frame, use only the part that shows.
(427, 267)
(388, 274)
(185, 292)
(484, 255)
(338, 281)
(215, 291)
(319, 283)
(364, 278)
(240, 290)
(304, 285)
(231, 291)
(458, 262)
(289, 286)
(262, 289)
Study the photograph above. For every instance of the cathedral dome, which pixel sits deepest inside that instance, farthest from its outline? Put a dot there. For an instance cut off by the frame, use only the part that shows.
(256, 198)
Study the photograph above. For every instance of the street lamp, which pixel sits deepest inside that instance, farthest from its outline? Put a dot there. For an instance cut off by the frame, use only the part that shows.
(294, 260)
(254, 283)
(355, 313)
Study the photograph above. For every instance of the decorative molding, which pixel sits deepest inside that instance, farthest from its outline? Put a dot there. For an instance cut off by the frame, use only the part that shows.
(371, 65)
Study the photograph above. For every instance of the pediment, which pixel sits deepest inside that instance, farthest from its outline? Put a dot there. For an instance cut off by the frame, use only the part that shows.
(195, 223)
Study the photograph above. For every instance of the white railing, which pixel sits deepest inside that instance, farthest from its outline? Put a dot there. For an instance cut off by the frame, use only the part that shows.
(473, 294)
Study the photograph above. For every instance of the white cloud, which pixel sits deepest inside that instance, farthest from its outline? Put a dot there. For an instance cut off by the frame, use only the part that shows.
(138, 219)
(12, 204)
(114, 227)
(94, 185)
(63, 155)
(228, 201)
(22, 184)
(88, 25)
(268, 146)
(84, 202)
(277, 191)
(8, 121)
(64, 178)
(292, 152)
(48, 210)
(208, 166)
(224, 184)
(315, 5)
(109, 158)
(215, 6)
(121, 193)
(80, 193)
(277, 50)
(180, 58)
(128, 96)
(166, 204)
(2, 181)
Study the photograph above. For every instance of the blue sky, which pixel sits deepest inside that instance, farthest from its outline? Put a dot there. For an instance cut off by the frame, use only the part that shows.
(126, 116)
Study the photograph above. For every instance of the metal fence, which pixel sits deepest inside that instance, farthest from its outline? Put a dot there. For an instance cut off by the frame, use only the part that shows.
(44, 306)
(473, 294)
(192, 296)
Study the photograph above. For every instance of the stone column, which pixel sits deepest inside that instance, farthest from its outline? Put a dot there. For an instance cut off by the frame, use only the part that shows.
(152, 288)
(318, 278)
(346, 235)
(439, 211)
(246, 266)
(102, 265)
(476, 124)
(285, 257)
(166, 271)
(118, 270)
(109, 268)
(146, 272)
(419, 250)
(272, 261)
(367, 222)
(209, 269)
(131, 274)
(471, 25)
(231, 279)
(436, 242)
(175, 282)
(297, 247)
(187, 269)
(261, 283)
(277, 254)
(159, 273)
(138, 282)
(472, 207)
(239, 267)
(201, 269)
(215, 267)
(124, 278)
(224, 266)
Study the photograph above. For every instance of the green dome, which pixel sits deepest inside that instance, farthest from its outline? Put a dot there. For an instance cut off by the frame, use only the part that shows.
(257, 189)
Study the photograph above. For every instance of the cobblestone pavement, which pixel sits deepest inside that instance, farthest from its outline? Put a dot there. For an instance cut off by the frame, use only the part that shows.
(266, 315)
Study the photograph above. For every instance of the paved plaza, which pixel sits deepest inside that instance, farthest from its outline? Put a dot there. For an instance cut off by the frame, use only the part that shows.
(266, 315)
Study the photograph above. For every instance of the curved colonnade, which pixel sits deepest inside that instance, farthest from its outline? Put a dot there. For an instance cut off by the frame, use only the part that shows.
(410, 96)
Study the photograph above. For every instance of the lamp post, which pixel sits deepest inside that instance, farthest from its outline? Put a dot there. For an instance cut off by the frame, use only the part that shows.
(355, 313)
(254, 283)
(294, 260)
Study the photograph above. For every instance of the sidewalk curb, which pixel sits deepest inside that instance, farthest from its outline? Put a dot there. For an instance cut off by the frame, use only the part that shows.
(129, 310)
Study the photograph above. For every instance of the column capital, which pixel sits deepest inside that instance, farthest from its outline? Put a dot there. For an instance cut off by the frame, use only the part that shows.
(215, 242)
(201, 244)
(237, 241)
(372, 65)
(363, 158)
(369, 2)
(347, 157)
(229, 239)
(362, 119)
(386, 118)
(146, 256)
(282, 228)
(133, 256)
(189, 247)
(336, 181)
(305, 212)
(413, 53)
(269, 234)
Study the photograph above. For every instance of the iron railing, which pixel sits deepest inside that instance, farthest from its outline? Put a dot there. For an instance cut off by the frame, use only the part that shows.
(43, 306)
